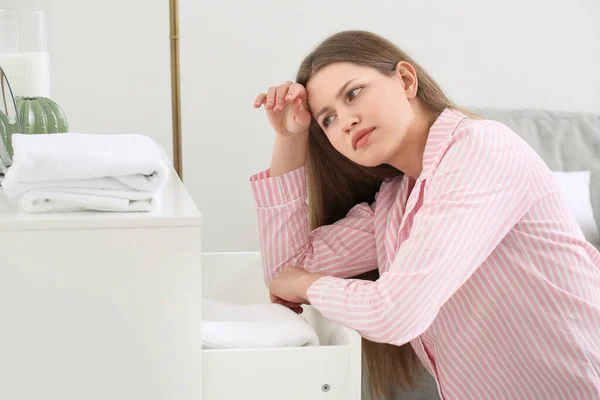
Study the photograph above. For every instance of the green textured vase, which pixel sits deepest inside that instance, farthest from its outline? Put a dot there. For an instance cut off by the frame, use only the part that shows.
(40, 115)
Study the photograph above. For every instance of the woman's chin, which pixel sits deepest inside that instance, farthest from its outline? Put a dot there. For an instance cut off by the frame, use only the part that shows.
(369, 162)
(370, 158)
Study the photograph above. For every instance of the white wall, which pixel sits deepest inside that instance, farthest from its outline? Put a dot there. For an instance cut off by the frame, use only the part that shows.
(111, 72)
(509, 54)
(110, 64)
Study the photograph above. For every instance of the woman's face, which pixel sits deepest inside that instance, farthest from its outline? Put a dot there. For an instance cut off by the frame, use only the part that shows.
(365, 114)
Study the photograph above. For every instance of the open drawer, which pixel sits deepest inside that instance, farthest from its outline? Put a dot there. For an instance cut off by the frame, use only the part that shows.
(330, 371)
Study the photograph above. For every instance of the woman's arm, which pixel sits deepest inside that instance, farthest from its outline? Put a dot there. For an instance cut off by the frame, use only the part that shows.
(343, 249)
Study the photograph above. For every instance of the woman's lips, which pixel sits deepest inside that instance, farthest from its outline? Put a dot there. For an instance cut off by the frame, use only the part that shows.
(361, 137)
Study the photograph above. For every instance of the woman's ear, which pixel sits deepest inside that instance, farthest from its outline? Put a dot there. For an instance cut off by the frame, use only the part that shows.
(406, 72)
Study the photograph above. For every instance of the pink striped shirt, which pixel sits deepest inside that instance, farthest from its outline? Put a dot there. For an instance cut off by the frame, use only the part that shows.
(484, 269)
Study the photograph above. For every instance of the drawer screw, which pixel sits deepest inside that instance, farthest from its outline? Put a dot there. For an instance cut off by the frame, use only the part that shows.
(325, 388)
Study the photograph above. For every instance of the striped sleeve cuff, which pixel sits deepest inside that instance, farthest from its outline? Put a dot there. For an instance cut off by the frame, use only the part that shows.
(278, 190)
(319, 288)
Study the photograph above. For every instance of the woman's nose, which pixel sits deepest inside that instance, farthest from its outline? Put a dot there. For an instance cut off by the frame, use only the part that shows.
(348, 122)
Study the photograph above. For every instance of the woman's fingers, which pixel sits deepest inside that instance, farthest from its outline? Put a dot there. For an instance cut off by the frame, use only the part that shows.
(271, 93)
(295, 91)
(297, 308)
(286, 108)
(280, 95)
(299, 115)
(260, 100)
(287, 303)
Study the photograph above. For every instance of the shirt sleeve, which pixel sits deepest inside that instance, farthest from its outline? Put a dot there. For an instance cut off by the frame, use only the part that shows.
(343, 249)
(479, 191)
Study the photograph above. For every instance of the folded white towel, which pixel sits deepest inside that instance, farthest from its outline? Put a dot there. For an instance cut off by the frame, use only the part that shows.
(59, 199)
(228, 325)
(73, 171)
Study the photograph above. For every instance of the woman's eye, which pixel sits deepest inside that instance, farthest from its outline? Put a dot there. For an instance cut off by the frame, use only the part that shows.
(353, 93)
(327, 120)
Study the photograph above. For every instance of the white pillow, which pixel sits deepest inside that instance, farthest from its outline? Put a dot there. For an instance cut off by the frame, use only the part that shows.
(575, 186)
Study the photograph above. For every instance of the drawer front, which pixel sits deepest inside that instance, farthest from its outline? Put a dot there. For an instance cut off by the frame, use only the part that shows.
(274, 374)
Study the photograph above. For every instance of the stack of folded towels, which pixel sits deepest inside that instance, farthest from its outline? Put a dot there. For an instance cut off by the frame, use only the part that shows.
(75, 172)
(228, 325)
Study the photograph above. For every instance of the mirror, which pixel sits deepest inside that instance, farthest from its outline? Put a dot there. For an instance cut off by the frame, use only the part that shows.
(9, 122)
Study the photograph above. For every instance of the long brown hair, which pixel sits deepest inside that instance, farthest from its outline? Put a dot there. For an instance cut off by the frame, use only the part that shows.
(336, 184)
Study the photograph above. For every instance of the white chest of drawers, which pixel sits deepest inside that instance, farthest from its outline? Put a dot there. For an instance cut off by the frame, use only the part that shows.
(101, 305)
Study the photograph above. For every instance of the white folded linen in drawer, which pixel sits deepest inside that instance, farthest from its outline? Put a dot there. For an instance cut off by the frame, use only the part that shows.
(228, 325)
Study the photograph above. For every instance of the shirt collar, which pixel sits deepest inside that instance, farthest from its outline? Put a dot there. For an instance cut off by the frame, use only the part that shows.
(443, 127)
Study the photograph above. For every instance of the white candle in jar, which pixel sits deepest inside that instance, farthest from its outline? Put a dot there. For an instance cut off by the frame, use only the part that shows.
(27, 73)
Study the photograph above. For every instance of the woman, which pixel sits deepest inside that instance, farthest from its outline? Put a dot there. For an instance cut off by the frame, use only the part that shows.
(482, 268)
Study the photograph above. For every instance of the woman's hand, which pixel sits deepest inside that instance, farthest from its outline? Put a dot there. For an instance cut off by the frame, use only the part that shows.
(295, 307)
(287, 109)
(292, 284)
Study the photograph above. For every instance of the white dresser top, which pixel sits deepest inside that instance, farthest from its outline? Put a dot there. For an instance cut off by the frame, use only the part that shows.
(175, 208)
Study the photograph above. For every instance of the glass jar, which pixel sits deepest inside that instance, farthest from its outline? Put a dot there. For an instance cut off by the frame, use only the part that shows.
(24, 53)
